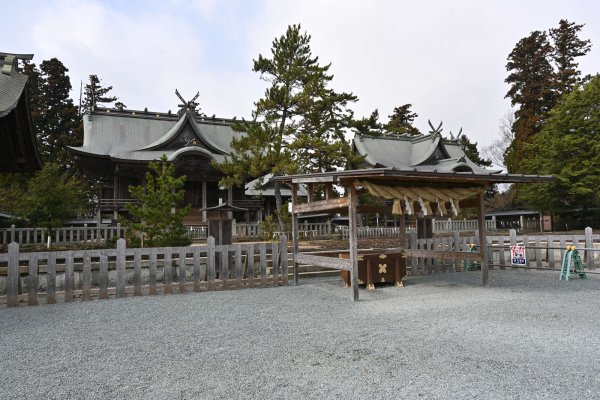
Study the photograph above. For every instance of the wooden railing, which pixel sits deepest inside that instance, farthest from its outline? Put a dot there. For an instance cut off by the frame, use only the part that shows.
(460, 225)
(51, 277)
(112, 204)
(72, 234)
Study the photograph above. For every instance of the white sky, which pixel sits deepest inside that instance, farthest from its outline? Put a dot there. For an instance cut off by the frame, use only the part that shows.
(446, 58)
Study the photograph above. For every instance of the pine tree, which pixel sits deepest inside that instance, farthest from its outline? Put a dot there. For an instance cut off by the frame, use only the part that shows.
(567, 47)
(158, 215)
(401, 121)
(95, 94)
(533, 90)
(298, 124)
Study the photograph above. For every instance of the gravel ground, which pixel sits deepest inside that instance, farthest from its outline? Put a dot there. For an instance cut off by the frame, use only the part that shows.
(442, 336)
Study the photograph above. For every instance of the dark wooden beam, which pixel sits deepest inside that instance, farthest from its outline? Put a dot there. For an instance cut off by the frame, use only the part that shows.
(295, 232)
(352, 225)
(482, 240)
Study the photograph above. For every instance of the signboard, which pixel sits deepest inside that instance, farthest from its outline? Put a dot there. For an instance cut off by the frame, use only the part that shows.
(517, 255)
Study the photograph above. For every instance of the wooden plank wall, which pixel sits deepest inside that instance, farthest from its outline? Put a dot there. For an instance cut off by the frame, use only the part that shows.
(67, 276)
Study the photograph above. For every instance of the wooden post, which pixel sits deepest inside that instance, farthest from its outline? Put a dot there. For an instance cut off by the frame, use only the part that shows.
(294, 231)
(238, 266)
(137, 273)
(103, 276)
(87, 276)
(196, 272)
(589, 244)
(181, 271)
(352, 223)
(12, 284)
(283, 257)
(482, 240)
(210, 263)
(120, 268)
(51, 279)
(167, 271)
(32, 297)
(250, 262)
(152, 273)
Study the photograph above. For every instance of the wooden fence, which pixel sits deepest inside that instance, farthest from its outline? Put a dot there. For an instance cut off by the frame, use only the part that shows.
(542, 251)
(51, 277)
(72, 234)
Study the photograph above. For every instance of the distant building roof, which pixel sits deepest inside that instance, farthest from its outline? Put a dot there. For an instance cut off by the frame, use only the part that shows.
(19, 152)
(145, 136)
(431, 153)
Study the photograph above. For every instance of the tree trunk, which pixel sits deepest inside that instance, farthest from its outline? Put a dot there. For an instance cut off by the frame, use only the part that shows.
(278, 205)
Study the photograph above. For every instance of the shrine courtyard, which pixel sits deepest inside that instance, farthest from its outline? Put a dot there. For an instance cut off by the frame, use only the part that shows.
(442, 336)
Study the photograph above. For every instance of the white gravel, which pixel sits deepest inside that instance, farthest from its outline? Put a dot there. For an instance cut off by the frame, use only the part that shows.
(442, 336)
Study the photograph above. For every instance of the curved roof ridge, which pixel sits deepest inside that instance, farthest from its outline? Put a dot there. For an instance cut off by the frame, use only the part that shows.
(424, 154)
(190, 149)
(171, 133)
(174, 131)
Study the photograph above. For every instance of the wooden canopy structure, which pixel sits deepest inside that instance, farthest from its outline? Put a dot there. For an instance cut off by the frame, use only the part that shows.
(410, 190)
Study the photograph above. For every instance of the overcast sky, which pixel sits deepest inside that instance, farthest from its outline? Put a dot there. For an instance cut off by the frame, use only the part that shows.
(446, 58)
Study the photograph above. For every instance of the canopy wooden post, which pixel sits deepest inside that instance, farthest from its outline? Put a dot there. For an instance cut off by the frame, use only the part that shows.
(295, 231)
(352, 224)
(482, 239)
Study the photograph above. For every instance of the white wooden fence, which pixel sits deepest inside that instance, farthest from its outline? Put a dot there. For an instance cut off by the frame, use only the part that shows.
(50, 277)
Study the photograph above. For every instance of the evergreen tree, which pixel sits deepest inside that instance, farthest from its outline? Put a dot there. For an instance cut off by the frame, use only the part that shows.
(532, 90)
(472, 152)
(298, 124)
(53, 197)
(35, 97)
(369, 125)
(569, 148)
(158, 215)
(401, 121)
(567, 47)
(95, 94)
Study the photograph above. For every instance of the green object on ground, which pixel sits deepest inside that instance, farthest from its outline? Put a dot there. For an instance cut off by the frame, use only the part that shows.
(471, 264)
(572, 264)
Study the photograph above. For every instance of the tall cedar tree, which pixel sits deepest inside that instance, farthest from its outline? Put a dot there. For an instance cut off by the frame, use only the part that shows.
(401, 121)
(298, 124)
(569, 148)
(53, 114)
(153, 216)
(532, 90)
(536, 87)
(95, 94)
(567, 47)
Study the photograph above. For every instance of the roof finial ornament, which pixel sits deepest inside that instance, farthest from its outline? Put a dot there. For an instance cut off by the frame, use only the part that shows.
(457, 136)
(188, 106)
(435, 131)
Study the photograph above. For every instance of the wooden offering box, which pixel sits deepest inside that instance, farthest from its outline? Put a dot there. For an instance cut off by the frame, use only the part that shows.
(374, 267)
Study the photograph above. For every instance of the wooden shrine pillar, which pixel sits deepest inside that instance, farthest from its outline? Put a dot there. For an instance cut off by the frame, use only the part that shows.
(295, 231)
(352, 225)
(482, 239)
(204, 201)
